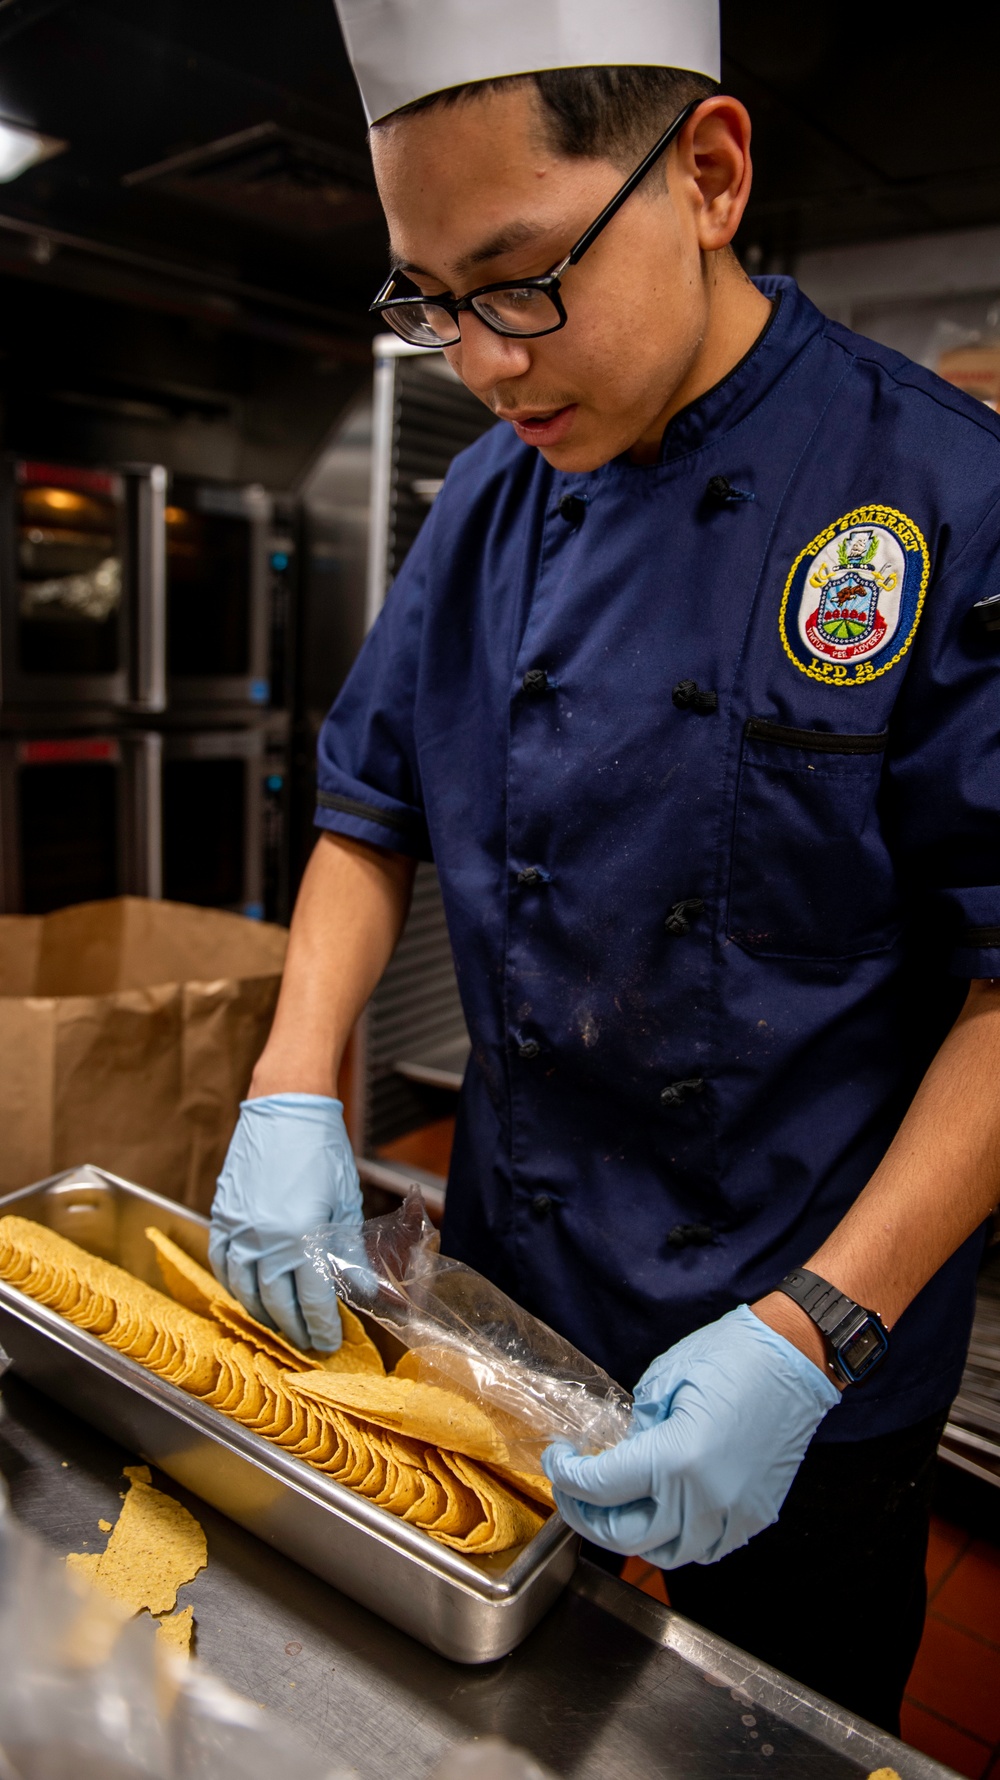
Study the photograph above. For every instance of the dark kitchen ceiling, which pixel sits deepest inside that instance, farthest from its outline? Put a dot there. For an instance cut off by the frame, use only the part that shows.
(226, 136)
(868, 125)
(189, 279)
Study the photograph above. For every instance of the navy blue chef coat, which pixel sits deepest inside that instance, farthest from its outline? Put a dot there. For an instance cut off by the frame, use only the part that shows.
(710, 772)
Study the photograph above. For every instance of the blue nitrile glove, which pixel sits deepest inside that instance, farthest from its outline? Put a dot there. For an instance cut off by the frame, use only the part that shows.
(720, 1426)
(290, 1169)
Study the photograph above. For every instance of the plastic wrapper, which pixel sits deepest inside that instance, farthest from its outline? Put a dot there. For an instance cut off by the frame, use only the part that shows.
(467, 1335)
(88, 1694)
(489, 1758)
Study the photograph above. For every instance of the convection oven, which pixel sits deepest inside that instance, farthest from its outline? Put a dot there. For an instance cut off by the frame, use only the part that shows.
(79, 819)
(220, 604)
(224, 800)
(81, 586)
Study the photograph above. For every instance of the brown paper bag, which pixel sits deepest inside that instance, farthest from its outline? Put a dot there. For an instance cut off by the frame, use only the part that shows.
(128, 1034)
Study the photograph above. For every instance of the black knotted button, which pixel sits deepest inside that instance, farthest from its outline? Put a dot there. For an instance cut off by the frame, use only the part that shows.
(541, 1205)
(678, 921)
(721, 493)
(573, 509)
(530, 875)
(536, 680)
(688, 696)
(530, 1048)
(678, 1092)
(690, 1236)
(986, 616)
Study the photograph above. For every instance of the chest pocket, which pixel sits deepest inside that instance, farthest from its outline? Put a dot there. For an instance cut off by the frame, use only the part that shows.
(812, 876)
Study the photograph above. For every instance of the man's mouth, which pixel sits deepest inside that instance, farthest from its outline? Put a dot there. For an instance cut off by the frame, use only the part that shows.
(548, 426)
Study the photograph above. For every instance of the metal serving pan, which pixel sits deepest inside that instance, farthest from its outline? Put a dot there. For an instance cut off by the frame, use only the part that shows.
(470, 1609)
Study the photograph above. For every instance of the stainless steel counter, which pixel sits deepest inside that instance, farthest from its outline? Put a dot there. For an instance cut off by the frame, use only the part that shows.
(610, 1686)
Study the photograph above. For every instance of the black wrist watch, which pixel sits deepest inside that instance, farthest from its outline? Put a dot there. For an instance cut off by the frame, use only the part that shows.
(856, 1339)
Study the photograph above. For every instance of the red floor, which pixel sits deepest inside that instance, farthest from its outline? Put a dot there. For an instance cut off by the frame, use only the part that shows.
(952, 1707)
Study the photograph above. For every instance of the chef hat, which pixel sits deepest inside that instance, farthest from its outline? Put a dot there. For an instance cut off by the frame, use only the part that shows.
(403, 50)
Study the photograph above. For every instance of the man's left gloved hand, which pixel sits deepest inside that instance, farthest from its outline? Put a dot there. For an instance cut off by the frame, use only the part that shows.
(720, 1426)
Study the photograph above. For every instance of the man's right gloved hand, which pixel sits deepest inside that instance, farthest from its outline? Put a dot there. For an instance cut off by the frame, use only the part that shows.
(289, 1170)
(720, 1426)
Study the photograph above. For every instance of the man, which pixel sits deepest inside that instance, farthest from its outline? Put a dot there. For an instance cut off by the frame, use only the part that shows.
(682, 689)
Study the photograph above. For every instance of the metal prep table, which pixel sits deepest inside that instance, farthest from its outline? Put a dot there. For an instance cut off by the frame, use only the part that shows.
(610, 1685)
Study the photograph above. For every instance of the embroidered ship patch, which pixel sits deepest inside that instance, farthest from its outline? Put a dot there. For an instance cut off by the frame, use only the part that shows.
(854, 596)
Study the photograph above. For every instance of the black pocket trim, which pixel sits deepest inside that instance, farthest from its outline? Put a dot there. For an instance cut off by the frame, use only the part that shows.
(349, 806)
(981, 936)
(758, 729)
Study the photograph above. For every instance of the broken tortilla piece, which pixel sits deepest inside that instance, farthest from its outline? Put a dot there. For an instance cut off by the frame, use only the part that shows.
(155, 1547)
(176, 1630)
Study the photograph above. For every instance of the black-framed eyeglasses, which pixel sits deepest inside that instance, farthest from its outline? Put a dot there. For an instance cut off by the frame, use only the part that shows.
(525, 310)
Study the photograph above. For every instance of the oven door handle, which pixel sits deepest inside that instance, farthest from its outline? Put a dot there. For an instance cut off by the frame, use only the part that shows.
(146, 493)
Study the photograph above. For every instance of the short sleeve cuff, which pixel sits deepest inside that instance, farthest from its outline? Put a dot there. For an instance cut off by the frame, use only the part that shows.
(975, 923)
(369, 816)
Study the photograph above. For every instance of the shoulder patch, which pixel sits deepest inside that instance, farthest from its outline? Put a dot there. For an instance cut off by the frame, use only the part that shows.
(853, 597)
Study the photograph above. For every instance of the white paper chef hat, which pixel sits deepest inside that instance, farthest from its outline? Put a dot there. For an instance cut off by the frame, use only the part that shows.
(403, 50)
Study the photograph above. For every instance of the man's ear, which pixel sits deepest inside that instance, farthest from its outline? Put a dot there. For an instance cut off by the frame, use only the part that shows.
(713, 163)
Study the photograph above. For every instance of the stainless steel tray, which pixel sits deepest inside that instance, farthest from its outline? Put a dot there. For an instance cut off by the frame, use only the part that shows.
(470, 1609)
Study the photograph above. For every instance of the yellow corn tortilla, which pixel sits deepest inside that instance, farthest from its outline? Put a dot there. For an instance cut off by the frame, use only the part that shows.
(350, 1452)
(237, 1321)
(420, 1411)
(175, 1630)
(185, 1279)
(253, 1396)
(278, 1408)
(357, 1351)
(421, 1368)
(229, 1391)
(198, 1289)
(506, 1520)
(84, 1563)
(534, 1485)
(155, 1546)
(463, 1510)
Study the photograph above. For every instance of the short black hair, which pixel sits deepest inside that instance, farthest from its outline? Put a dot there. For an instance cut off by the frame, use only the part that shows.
(611, 114)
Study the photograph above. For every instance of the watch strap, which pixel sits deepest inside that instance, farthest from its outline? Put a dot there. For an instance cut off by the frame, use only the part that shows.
(823, 1303)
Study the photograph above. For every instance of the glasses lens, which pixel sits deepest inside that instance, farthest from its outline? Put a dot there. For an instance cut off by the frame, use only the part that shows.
(523, 309)
(423, 324)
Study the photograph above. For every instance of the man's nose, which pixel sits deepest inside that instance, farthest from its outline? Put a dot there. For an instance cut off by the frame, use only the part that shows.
(483, 359)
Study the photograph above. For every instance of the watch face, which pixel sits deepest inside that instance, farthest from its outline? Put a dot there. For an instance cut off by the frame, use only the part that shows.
(863, 1350)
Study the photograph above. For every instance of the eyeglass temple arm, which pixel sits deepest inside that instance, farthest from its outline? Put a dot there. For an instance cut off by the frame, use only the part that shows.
(580, 247)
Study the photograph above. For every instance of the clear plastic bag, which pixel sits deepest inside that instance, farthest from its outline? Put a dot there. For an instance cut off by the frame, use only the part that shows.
(88, 1694)
(467, 1335)
(489, 1758)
